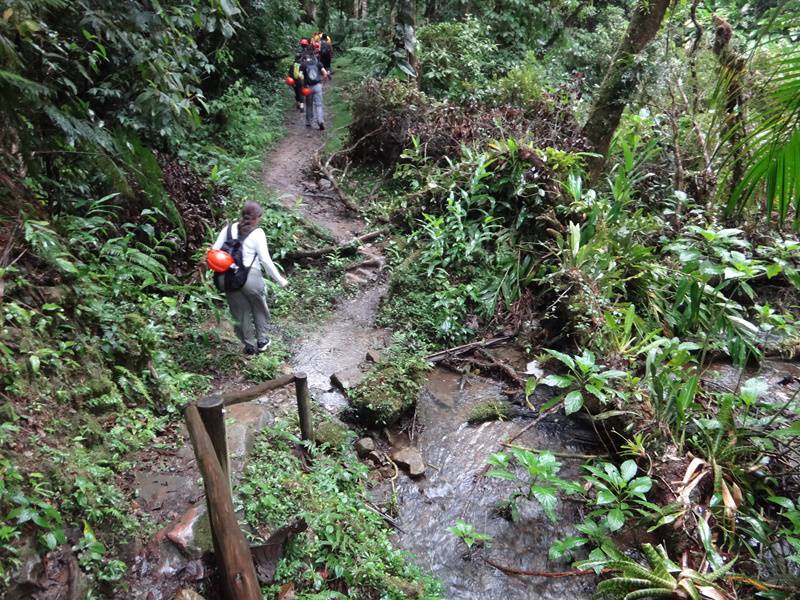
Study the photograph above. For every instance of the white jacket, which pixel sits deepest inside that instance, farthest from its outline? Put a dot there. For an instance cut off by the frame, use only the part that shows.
(254, 250)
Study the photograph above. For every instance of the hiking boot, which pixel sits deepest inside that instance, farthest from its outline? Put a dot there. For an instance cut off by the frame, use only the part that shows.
(249, 350)
(308, 125)
(264, 344)
(322, 126)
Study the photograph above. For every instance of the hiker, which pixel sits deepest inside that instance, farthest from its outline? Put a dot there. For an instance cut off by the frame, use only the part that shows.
(294, 73)
(304, 45)
(248, 304)
(326, 53)
(313, 73)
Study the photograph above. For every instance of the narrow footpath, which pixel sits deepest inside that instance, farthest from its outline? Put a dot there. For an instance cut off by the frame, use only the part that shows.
(169, 487)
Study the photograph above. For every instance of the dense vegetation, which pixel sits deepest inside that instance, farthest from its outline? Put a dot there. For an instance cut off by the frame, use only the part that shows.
(615, 183)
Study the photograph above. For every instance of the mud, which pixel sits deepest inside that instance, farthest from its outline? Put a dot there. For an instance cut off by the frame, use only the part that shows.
(287, 170)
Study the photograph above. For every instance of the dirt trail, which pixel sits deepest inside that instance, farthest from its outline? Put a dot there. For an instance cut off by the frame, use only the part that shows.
(286, 171)
(173, 494)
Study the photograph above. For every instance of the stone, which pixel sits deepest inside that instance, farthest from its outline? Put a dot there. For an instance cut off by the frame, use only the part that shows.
(411, 460)
(377, 457)
(330, 432)
(184, 534)
(364, 446)
(347, 379)
(373, 356)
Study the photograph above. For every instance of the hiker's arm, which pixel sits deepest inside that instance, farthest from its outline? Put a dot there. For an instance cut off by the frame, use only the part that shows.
(220, 240)
(324, 73)
(266, 259)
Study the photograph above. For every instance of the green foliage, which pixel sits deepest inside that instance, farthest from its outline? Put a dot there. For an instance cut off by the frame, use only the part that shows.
(541, 481)
(661, 578)
(392, 386)
(584, 378)
(265, 365)
(467, 533)
(456, 58)
(346, 544)
(617, 491)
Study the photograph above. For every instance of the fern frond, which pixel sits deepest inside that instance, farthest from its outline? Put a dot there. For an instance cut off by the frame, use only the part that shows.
(649, 593)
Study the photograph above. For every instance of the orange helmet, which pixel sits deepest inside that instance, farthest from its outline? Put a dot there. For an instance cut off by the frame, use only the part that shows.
(304, 42)
(218, 261)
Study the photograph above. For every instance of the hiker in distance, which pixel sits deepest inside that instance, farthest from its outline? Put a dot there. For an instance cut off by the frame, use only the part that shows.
(313, 73)
(243, 284)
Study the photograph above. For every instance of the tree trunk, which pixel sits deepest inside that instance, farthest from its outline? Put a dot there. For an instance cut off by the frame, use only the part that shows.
(430, 10)
(732, 65)
(619, 83)
(310, 8)
(407, 19)
(324, 14)
(360, 9)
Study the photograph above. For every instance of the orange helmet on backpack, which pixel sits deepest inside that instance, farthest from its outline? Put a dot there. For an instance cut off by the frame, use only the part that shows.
(218, 261)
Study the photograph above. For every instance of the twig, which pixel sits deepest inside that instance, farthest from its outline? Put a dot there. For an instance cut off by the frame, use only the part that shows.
(455, 351)
(328, 174)
(515, 571)
(504, 367)
(559, 454)
(386, 517)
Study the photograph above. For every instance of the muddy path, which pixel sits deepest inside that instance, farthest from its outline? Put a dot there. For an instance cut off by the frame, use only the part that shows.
(166, 482)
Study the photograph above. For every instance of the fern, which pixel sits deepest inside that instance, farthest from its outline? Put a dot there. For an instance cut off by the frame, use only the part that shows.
(772, 146)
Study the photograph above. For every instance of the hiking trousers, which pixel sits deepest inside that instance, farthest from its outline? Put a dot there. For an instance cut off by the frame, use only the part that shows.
(314, 108)
(249, 309)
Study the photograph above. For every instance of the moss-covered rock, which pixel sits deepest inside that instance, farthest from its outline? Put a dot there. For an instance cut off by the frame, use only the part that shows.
(489, 410)
(391, 388)
(332, 433)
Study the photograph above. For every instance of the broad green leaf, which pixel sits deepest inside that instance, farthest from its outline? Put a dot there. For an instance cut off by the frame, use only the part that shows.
(615, 520)
(573, 402)
(567, 360)
(628, 469)
(558, 381)
(640, 485)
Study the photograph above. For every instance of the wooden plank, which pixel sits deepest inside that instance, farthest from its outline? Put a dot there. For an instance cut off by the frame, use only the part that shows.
(230, 398)
(231, 549)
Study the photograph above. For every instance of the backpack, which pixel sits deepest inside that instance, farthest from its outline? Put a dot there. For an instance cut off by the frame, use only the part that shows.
(236, 276)
(312, 73)
(325, 49)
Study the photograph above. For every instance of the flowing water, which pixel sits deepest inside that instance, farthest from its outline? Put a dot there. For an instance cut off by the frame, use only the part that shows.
(453, 489)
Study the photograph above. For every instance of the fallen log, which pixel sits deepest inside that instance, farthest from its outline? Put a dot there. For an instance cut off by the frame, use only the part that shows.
(458, 350)
(349, 247)
(509, 371)
(326, 172)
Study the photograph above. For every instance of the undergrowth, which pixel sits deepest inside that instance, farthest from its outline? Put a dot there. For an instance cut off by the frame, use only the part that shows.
(346, 550)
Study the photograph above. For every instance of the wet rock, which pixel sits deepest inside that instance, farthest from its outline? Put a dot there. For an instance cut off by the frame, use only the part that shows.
(364, 446)
(387, 471)
(373, 356)
(332, 433)
(411, 460)
(347, 378)
(186, 594)
(377, 458)
(184, 533)
(354, 280)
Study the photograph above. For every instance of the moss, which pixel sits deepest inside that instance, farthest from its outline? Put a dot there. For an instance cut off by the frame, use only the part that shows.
(391, 388)
(332, 433)
(489, 410)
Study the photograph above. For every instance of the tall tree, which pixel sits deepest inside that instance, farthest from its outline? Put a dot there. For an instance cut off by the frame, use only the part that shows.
(407, 22)
(619, 83)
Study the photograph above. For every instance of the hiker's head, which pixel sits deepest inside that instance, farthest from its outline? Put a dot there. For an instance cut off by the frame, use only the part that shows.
(249, 218)
(304, 42)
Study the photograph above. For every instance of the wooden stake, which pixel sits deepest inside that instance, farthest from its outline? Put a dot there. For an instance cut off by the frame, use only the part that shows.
(231, 549)
(212, 412)
(304, 406)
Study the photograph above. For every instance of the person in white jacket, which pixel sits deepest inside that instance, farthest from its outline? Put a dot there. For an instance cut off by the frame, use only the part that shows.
(249, 305)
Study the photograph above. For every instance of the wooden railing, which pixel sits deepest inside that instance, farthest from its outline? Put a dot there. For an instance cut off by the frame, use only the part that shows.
(205, 421)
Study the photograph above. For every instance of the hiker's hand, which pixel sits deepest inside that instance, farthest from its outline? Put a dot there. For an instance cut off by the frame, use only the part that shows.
(284, 283)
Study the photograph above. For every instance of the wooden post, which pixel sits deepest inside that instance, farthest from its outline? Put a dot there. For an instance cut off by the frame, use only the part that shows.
(303, 406)
(231, 549)
(212, 412)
